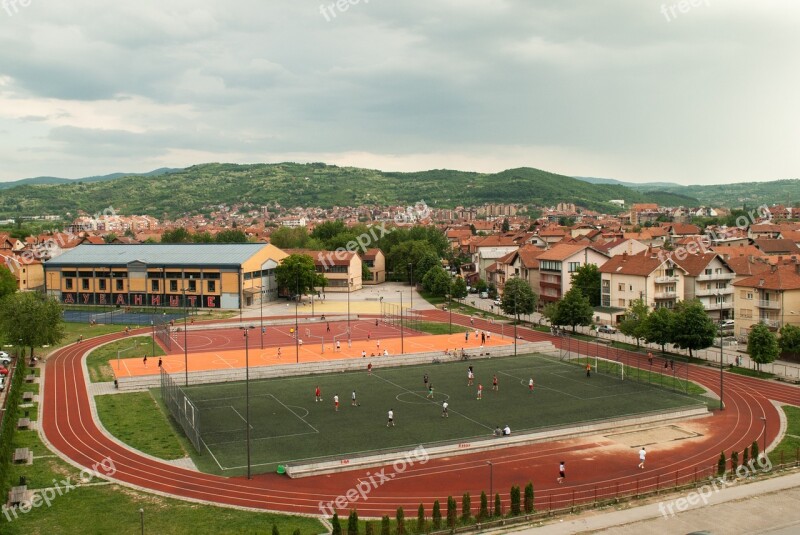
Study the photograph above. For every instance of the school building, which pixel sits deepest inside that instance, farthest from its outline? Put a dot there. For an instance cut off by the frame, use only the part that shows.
(226, 276)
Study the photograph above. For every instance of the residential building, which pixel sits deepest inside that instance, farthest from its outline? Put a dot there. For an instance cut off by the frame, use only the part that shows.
(709, 279)
(557, 265)
(771, 297)
(375, 261)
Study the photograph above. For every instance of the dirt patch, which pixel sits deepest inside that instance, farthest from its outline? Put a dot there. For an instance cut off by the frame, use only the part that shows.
(653, 435)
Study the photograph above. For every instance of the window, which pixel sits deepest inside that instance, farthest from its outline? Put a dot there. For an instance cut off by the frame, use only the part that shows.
(192, 286)
(154, 285)
(746, 294)
(212, 286)
(84, 284)
(101, 285)
(574, 266)
(622, 303)
(68, 284)
(708, 271)
(120, 285)
(173, 286)
(745, 313)
(621, 287)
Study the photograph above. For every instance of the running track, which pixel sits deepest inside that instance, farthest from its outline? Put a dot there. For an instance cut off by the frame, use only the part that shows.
(595, 465)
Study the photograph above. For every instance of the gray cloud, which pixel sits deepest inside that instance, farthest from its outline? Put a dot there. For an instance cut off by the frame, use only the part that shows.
(577, 87)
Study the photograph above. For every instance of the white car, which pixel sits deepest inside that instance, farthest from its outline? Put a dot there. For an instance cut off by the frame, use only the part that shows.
(498, 302)
(2, 383)
(726, 324)
(4, 358)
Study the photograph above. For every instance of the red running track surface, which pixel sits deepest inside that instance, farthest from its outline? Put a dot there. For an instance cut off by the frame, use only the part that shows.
(596, 466)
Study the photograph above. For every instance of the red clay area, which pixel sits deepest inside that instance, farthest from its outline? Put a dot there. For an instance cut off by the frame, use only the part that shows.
(219, 349)
(597, 467)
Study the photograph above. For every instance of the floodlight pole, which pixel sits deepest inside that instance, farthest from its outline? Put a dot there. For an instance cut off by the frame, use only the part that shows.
(261, 315)
(764, 420)
(153, 345)
(450, 310)
(515, 324)
(349, 285)
(411, 292)
(721, 365)
(296, 328)
(185, 342)
(402, 345)
(247, 391)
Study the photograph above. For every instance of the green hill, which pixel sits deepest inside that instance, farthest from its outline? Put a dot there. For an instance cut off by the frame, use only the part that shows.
(751, 194)
(199, 187)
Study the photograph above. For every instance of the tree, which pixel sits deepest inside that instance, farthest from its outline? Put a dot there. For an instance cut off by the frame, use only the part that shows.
(352, 523)
(472, 229)
(459, 288)
(336, 527)
(203, 237)
(518, 298)
(437, 281)
(745, 456)
(290, 238)
(231, 236)
(110, 237)
(515, 501)
(529, 509)
(587, 278)
(658, 327)
(635, 322)
(297, 274)
(327, 230)
(754, 451)
(32, 319)
(436, 515)
(401, 521)
(734, 461)
(693, 328)
(421, 519)
(178, 235)
(8, 283)
(480, 286)
(506, 226)
(483, 514)
(550, 312)
(762, 346)
(574, 309)
(491, 290)
(790, 339)
(369, 528)
(452, 512)
(386, 525)
(275, 530)
(498, 505)
(721, 464)
(466, 507)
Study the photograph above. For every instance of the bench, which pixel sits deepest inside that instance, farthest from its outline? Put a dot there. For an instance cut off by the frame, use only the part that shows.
(22, 455)
(30, 378)
(17, 495)
(27, 396)
(23, 423)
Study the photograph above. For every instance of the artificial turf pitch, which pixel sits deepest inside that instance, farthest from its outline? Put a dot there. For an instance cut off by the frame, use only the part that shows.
(288, 426)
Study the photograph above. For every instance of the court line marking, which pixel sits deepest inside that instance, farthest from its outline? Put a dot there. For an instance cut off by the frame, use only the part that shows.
(432, 401)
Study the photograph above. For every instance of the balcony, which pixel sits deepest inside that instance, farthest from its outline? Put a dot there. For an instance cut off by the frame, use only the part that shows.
(666, 295)
(774, 305)
(717, 277)
(550, 284)
(714, 291)
(666, 280)
(718, 306)
(770, 323)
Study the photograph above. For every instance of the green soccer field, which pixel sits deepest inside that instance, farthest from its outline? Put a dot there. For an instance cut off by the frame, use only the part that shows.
(287, 425)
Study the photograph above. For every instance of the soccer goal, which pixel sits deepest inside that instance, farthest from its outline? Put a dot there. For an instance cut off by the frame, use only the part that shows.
(609, 367)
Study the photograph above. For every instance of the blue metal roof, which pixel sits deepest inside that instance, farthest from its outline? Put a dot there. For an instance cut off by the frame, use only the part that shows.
(162, 254)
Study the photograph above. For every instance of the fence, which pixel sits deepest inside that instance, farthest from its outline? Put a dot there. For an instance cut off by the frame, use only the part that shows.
(182, 409)
(8, 421)
(392, 314)
(112, 315)
(163, 334)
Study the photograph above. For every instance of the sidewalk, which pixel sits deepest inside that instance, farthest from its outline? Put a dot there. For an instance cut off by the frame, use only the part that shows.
(768, 507)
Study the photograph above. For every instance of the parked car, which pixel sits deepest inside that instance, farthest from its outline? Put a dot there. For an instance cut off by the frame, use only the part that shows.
(608, 329)
(2, 383)
(498, 302)
(726, 324)
(5, 359)
(484, 295)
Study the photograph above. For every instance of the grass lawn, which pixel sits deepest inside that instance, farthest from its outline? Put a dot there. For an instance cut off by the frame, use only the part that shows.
(288, 426)
(100, 360)
(129, 418)
(750, 373)
(432, 327)
(790, 445)
(460, 307)
(115, 509)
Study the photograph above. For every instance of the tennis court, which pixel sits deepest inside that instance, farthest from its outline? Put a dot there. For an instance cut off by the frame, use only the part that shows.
(287, 425)
(121, 316)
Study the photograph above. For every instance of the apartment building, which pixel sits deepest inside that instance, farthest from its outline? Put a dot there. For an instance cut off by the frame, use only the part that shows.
(557, 265)
(771, 297)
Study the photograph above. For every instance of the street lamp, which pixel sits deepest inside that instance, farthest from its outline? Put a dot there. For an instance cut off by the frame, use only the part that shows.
(153, 345)
(261, 315)
(349, 286)
(450, 310)
(247, 391)
(515, 323)
(411, 268)
(491, 489)
(721, 366)
(402, 345)
(764, 420)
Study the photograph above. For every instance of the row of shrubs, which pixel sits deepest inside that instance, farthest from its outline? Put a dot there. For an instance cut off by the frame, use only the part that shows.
(8, 424)
(437, 522)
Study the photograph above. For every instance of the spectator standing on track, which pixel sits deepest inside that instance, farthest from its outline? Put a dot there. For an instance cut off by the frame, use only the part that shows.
(328, 327)
(391, 418)
(336, 402)
(159, 362)
(483, 337)
(279, 353)
(466, 336)
(317, 394)
(642, 455)
(562, 472)
(650, 357)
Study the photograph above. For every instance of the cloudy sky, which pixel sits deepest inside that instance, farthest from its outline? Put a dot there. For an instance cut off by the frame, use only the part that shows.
(631, 89)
